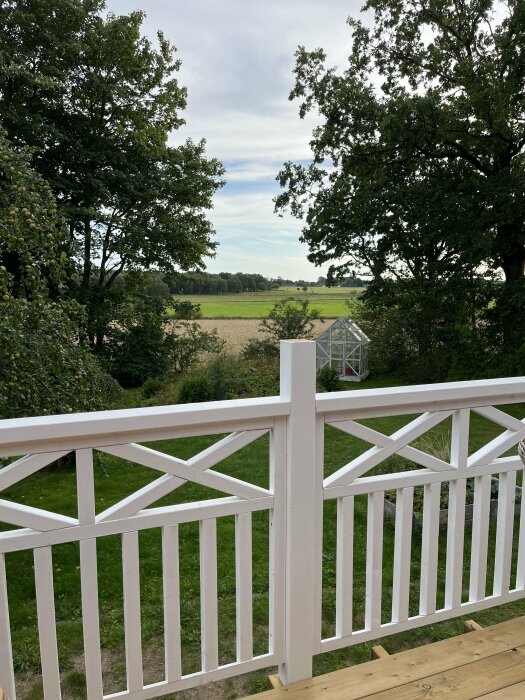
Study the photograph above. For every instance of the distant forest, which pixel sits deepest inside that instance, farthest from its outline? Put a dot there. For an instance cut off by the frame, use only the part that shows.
(234, 283)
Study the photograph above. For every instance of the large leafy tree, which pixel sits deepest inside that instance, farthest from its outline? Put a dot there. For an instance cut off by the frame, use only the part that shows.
(96, 102)
(418, 169)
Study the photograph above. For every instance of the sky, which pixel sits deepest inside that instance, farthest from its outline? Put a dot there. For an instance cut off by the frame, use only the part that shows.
(237, 63)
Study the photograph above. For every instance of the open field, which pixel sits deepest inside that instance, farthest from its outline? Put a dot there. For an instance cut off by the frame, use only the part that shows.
(329, 301)
(236, 331)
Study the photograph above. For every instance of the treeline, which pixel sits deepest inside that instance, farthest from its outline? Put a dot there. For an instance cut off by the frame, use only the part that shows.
(223, 283)
(234, 283)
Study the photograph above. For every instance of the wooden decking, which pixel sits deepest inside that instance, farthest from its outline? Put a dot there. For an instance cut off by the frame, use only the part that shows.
(486, 663)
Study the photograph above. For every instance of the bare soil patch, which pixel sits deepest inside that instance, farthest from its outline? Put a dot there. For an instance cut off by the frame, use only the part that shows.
(236, 331)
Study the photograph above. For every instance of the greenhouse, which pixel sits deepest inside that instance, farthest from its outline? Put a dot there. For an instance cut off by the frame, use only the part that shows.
(344, 347)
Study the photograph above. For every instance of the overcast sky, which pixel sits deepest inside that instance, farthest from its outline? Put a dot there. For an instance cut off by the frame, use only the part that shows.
(237, 61)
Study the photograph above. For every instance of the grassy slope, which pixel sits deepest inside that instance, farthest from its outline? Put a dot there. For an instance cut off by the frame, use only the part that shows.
(115, 479)
(330, 302)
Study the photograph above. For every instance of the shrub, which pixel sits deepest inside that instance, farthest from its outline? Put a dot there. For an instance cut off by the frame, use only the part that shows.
(151, 387)
(185, 310)
(290, 318)
(328, 378)
(44, 367)
(256, 348)
(195, 389)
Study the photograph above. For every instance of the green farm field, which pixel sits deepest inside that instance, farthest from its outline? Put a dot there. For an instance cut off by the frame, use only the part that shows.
(331, 302)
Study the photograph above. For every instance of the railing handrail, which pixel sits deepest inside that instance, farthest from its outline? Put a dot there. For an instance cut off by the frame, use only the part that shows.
(412, 399)
(69, 431)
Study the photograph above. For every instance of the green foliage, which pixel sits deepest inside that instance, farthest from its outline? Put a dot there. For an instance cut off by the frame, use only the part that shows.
(151, 386)
(31, 231)
(44, 368)
(255, 348)
(290, 318)
(143, 344)
(186, 310)
(418, 168)
(103, 101)
(195, 389)
(328, 378)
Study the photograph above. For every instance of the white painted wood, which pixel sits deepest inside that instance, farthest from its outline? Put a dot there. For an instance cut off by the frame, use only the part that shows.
(73, 431)
(34, 518)
(374, 560)
(25, 466)
(132, 622)
(496, 447)
(208, 579)
(480, 531)
(45, 605)
(85, 487)
(367, 434)
(455, 543)
(90, 618)
(402, 554)
(298, 376)
(171, 589)
(243, 576)
(345, 566)
(365, 635)
(504, 532)
(419, 477)
(159, 488)
(375, 455)
(277, 588)
(16, 540)
(520, 569)
(499, 417)
(460, 438)
(7, 677)
(177, 467)
(192, 680)
(401, 400)
(429, 550)
(317, 599)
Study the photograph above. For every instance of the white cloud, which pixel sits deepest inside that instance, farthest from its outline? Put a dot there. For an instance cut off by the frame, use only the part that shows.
(237, 62)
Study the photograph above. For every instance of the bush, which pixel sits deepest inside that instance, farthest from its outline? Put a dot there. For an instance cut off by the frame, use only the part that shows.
(290, 318)
(44, 367)
(184, 310)
(151, 387)
(256, 348)
(328, 378)
(195, 389)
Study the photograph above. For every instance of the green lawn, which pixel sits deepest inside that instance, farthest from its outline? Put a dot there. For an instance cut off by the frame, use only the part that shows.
(115, 479)
(329, 301)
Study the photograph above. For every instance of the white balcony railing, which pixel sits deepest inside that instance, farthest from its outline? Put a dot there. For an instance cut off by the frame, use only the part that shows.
(296, 500)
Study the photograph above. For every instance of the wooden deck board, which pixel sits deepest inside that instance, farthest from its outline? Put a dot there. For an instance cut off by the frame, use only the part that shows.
(494, 657)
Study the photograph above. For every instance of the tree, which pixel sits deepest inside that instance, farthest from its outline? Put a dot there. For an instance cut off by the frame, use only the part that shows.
(96, 101)
(418, 165)
(31, 231)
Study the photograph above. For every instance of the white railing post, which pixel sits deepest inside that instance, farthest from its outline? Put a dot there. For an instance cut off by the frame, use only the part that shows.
(303, 489)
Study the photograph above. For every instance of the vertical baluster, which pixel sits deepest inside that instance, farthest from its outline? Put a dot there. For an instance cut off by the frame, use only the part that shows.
(480, 533)
(171, 590)
(277, 539)
(317, 603)
(455, 542)
(7, 677)
(45, 605)
(504, 532)
(243, 574)
(402, 554)
(209, 613)
(374, 560)
(520, 569)
(132, 622)
(429, 549)
(345, 566)
(88, 575)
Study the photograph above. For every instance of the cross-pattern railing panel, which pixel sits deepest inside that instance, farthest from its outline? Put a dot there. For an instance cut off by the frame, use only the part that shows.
(40, 530)
(442, 531)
